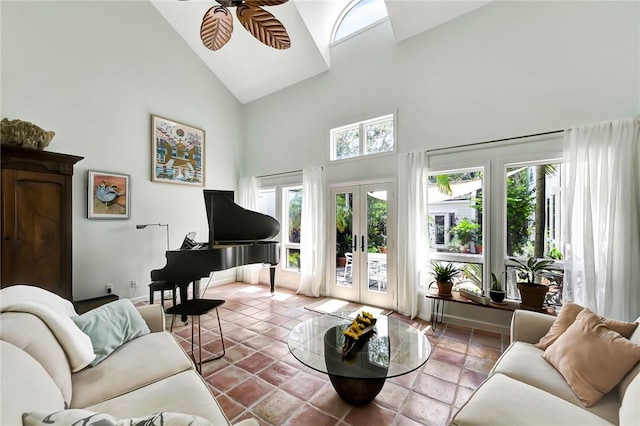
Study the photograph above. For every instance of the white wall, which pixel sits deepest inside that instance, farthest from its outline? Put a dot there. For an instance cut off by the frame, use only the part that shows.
(506, 69)
(94, 72)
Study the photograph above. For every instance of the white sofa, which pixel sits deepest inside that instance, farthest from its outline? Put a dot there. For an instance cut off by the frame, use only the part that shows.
(146, 375)
(524, 389)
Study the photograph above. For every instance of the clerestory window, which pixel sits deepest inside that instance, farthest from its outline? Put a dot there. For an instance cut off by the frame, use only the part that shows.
(358, 16)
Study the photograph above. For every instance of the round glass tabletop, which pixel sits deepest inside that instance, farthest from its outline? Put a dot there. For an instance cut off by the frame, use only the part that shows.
(395, 348)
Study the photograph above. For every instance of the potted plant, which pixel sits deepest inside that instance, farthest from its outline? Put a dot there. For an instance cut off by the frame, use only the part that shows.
(443, 275)
(531, 293)
(496, 292)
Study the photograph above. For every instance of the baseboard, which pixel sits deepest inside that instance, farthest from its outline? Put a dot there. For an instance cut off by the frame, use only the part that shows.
(481, 325)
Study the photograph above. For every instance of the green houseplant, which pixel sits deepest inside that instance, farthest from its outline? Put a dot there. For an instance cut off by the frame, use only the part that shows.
(496, 292)
(443, 275)
(531, 293)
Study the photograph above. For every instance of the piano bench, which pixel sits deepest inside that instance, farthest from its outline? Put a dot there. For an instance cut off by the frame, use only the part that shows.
(161, 286)
(196, 308)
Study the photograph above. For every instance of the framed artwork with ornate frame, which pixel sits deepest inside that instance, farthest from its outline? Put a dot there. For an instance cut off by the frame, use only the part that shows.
(109, 195)
(177, 152)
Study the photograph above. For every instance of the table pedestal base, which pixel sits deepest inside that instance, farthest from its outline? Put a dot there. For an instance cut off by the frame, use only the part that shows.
(357, 391)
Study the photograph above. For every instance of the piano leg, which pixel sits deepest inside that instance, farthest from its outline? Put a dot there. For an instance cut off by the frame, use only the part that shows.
(272, 277)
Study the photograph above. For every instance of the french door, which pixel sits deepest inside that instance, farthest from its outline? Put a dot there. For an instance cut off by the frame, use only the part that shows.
(362, 266)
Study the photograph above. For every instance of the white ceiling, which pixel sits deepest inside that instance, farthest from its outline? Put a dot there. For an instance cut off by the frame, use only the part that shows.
(251, 70)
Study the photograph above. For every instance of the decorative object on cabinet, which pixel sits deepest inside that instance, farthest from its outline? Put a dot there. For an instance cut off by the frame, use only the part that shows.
(36, 218)
(108, 195)
(177, 152)
(25, 134)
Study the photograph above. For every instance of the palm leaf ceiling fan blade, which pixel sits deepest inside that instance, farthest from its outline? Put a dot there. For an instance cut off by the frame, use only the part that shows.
(263, 26)
(216, 28)
(265, 2)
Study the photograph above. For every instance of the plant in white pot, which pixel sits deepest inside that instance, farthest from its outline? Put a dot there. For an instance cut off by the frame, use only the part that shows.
(496, 292)
(532, 293)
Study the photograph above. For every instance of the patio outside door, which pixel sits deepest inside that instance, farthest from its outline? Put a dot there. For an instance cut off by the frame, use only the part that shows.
(362, 217)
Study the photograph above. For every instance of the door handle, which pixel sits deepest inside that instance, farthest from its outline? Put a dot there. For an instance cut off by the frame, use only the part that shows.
(354, 246)
(362, 244)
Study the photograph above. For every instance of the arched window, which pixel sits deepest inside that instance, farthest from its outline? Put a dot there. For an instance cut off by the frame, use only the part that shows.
(357, 16)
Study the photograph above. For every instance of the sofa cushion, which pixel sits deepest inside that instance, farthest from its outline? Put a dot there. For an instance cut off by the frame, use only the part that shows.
(635, 371)
(110, 326)
(609, 357)
(24, 386)
(524, 362)
(183, 393)
(630, 406)
(91, 418)
(135, 364)
(41, 344)
(568, 315)
(501, 400)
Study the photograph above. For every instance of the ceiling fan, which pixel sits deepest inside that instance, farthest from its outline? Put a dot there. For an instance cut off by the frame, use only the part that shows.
(217, 23)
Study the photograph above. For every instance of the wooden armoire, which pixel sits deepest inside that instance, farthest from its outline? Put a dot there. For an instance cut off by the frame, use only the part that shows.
(36, 218)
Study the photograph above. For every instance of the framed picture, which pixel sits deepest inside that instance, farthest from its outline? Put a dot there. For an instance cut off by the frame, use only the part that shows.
(177, 152)
(109, 195)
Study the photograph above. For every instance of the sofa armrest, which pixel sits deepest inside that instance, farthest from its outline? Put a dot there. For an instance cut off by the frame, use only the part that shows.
(153, 315)
(529, 326)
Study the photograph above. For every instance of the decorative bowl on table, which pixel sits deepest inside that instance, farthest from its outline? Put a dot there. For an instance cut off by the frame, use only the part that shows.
(357, 334)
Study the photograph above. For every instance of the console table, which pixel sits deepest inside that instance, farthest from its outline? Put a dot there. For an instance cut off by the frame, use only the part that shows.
(437, 307)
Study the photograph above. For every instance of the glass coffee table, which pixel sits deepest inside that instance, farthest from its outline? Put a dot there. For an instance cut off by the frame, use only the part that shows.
(396, 348)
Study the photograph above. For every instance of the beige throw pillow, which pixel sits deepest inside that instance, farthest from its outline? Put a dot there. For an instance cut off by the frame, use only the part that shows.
(567, 316)
(592, 358)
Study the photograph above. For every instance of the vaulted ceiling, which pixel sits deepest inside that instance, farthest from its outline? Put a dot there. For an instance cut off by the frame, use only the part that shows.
(251, 70)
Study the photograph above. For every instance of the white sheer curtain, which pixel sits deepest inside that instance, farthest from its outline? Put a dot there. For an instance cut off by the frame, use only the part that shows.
(248, 198)
(602, 217)
(412, 230)
(313, 238)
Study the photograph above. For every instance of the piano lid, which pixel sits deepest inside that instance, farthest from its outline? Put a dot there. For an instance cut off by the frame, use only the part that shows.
(229, 222)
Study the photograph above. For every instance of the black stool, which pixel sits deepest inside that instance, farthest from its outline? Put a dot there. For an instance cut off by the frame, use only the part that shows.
(161, 286)
(196, 308)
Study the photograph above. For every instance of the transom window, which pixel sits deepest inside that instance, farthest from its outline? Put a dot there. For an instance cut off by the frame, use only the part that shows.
(358, 16)
(373, 136)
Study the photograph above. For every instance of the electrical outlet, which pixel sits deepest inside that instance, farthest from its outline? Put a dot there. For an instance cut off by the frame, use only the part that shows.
(134, 284)
(109, 288)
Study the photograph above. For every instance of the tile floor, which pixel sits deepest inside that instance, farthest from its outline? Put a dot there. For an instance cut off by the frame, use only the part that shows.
(259, 378)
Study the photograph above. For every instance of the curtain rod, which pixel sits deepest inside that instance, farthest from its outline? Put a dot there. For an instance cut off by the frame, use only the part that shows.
(278, 174)
(496, 140)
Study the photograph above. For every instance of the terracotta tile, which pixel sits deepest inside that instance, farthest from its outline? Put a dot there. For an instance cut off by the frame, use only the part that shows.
(462, 396)
(276, 350)
(435, 388)
(484, 352)
(237, 352)
(259, 342)
(454, 345)
(328, 401)
(249, 415)
(277, 333)
(309, 415)
(228, 378)
(276, 407)
(250, 391)
(471, 379)
(392, 396)
(443, 370)
(491, 341)
(406, 380)
(364, 415)
(255, 363)
(482, 365)
(448, 356)
(278, 373)
(425, 410)
(402, 420)
(303, 386)
(230, 408)
(209, 368)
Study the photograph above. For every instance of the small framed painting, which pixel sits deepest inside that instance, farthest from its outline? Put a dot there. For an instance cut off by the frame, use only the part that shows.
(109, 195)
(177, 152)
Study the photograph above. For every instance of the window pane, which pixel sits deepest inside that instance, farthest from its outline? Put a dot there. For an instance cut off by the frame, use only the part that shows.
(347, 142)
(294, 203)
(455, 212)
(267, 202)
(379, 137)
(533, 210)
(293, 259)
(361, 14)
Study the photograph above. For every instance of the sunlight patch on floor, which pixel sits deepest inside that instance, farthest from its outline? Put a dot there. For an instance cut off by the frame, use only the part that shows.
(331, 306)
(252, 289)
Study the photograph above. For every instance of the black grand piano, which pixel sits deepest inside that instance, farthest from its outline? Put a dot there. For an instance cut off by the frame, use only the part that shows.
(236, 237)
